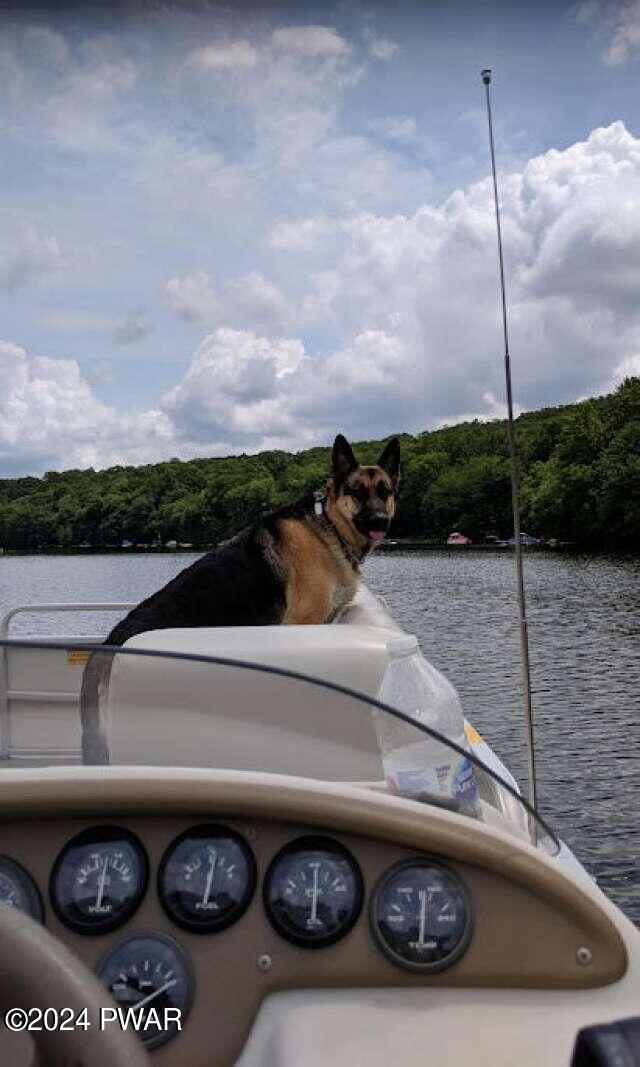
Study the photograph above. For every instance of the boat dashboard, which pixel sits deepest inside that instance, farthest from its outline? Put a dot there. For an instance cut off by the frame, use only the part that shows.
(212, 893)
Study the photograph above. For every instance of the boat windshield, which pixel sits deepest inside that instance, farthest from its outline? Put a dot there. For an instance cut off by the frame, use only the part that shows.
(64, 703)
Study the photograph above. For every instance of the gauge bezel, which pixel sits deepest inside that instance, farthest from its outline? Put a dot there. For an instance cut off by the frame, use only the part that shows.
(17, 871)
(333, 847)
(185, 959)
(409, 965)
(211, 926)
(98, 835)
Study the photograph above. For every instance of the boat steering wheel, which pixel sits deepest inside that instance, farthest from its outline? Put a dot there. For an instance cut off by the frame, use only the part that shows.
(38, 972)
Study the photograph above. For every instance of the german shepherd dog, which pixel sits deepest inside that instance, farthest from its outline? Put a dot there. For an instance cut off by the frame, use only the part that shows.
(297, 565)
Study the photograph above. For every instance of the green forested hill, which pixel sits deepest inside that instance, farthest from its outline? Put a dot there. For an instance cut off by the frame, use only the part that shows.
(579, 470)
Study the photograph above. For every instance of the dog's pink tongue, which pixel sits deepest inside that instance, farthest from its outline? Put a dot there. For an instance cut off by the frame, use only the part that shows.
(376, 535)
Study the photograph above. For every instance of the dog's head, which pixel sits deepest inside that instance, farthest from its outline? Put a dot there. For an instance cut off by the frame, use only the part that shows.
(361, 500)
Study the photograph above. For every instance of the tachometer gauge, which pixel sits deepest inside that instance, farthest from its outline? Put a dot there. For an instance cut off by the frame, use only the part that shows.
(313, 892)
(99, 879)
(18, 890)
(421, 915)
(206, 878)
(151, 979)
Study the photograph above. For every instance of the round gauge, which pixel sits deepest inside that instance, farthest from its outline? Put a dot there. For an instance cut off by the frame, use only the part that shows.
(99, 879)
(206, 878)
(18, 890)
(421, 915)
(313, 892)
(150, 976)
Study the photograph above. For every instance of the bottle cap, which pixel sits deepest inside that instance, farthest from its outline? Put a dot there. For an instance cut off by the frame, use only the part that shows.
(402, 645)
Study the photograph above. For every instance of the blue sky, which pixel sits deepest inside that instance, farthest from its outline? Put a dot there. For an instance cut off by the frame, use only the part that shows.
(226, 228)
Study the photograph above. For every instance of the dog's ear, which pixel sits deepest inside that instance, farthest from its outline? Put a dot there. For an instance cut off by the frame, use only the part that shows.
(390, 460)
(343, 460)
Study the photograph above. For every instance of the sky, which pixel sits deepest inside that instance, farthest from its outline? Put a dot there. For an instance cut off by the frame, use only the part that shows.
(228, 227)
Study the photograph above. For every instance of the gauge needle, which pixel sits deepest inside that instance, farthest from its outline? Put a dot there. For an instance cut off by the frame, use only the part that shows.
(423, 915)
(156, 993)
(213, 859)
(103, 877)
(313, 920)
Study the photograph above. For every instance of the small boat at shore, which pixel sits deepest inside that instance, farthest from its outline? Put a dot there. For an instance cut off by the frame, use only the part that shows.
(456, 538)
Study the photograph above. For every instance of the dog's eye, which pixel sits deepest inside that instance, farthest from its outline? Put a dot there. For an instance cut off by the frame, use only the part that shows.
(383, 491)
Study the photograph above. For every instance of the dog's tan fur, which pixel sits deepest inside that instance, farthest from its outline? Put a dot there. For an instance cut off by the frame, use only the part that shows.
(319, 580)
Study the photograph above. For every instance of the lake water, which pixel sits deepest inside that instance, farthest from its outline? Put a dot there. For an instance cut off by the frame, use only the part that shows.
(584, 629)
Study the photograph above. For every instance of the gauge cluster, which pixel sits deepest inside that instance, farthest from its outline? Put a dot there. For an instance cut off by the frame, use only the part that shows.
(312, 896)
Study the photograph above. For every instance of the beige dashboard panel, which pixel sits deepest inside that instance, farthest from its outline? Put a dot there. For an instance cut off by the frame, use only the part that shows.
(529, 920)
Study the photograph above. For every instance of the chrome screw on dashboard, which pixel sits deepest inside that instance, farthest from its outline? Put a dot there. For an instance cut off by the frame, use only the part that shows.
(265, 963)
(584, 956)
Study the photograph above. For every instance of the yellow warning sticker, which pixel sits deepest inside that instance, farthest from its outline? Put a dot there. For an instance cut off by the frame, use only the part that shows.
(77, 657)
(473, 736)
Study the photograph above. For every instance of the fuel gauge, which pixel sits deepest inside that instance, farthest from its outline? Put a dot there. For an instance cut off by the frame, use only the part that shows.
(207, 878)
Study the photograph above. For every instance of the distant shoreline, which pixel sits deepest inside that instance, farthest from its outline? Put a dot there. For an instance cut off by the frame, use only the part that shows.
(391, 546)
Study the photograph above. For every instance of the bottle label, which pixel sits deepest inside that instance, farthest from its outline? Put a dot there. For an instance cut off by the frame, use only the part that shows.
(445, 779)
(463, 785)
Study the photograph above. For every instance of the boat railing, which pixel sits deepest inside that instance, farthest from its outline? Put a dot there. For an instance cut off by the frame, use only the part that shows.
(58, 697)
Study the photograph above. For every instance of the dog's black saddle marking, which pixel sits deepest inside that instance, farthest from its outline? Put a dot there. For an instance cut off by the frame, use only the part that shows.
(233, 585)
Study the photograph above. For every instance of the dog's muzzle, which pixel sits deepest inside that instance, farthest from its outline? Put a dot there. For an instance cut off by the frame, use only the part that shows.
(373, 526)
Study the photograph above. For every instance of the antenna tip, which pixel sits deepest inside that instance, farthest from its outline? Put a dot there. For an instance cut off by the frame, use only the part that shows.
(486, 76)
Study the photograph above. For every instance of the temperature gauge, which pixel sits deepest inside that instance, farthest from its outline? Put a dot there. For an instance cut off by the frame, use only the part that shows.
(313, 892)
(151, 979)
(207, 878)
(18, 890)
(421, 916)
(99, 879)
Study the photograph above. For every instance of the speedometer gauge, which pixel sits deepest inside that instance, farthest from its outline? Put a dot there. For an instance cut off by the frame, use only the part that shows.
(313, 892)
(99, 879)
(18, 890)
(421, 915)
(207, 878)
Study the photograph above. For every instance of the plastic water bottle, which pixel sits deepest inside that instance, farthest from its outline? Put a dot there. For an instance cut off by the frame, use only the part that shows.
(415, 764)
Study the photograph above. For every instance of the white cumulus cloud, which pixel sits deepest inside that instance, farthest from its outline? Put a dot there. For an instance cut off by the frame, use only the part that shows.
(251, 301)
(50, 418)
(232, 388)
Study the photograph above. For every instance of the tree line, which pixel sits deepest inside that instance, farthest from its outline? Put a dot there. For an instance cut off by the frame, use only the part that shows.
(579, 470)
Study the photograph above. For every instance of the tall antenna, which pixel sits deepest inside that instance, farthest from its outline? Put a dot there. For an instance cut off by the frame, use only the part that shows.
(524, 639)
